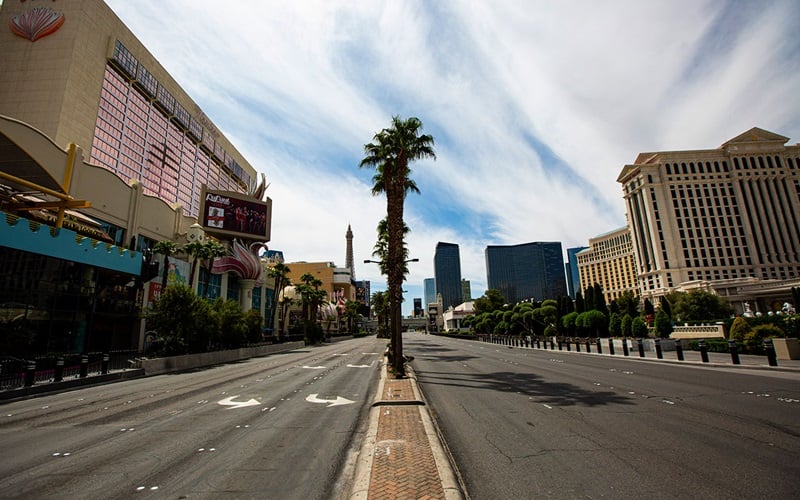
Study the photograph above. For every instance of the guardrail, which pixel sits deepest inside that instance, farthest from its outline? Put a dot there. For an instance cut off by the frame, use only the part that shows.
(629, 346)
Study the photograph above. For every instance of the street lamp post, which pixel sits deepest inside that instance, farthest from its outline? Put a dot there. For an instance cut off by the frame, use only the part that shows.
(396, 315)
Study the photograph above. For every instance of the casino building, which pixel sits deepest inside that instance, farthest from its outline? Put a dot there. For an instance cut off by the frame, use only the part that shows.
(102, 155)
(724, 219)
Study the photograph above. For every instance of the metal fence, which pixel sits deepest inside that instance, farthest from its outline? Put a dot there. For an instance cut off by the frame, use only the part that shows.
(16, 372)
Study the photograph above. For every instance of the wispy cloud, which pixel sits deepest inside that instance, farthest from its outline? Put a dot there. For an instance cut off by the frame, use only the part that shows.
(535, 106)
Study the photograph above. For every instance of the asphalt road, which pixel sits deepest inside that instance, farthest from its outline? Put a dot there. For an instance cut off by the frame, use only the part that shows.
(284, 426)
(524, 423)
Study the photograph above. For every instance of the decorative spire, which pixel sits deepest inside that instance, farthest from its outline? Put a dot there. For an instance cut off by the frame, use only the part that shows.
(348, 258)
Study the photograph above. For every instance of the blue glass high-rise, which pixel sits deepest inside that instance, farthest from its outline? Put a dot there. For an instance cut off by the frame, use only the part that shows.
(526, 271)
(447, 274)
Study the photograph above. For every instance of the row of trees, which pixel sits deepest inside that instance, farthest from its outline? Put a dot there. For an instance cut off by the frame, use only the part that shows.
(589, 315)
(186, 324)
(200, 252)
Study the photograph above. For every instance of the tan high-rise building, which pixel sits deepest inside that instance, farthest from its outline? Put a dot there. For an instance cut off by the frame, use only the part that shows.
(712, 215)
(609, 262)
(336, 281)
(73, 70)
(94, 129)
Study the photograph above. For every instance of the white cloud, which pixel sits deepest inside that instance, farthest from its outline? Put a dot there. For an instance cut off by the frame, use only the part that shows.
(535, 106)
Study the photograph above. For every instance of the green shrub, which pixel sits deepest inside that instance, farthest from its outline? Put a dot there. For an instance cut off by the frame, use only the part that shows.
(183, 321)
(232, 330)
(712, 345)
(254, 324)
(314, 332)
(754, 340)
(739, 329)
(638, 327)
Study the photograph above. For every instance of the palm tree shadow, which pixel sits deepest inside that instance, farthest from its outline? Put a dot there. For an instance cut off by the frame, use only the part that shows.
(527, 384)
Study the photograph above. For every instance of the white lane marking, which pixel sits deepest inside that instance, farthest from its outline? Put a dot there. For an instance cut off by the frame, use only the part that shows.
(313, 367)
(547, 406)
(237, 404)
(358, 366)
(312, 398)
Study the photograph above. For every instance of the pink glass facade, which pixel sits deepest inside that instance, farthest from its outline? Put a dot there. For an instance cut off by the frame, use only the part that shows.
(143, 133)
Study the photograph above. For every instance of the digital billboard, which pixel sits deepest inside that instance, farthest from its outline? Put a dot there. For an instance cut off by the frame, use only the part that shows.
(417, 308)
(235, 214)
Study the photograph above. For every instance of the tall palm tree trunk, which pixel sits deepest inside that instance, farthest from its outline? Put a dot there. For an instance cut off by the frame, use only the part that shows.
(394, 208)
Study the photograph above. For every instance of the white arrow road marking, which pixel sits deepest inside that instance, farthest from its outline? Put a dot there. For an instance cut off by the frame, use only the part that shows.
(313, 367)
(358, 366)
(312, 398)
(237, 404)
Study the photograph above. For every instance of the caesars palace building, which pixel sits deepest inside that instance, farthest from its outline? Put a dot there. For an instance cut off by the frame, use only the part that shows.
(102, 155)
(724, 219)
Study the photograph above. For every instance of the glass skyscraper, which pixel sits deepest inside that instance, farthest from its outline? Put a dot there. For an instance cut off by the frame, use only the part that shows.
(429, 285)
(447, 273)
(573, 275)
(526, 271)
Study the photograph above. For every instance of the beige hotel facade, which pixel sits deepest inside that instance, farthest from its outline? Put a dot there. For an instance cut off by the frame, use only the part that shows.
(609, 262)
(724, 219)
(94, 122)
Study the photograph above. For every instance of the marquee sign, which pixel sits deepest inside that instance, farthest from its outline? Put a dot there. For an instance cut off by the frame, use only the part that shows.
(234, 214)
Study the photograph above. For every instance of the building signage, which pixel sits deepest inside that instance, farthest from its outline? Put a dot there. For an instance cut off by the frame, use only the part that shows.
(36, 23)
(235, 214)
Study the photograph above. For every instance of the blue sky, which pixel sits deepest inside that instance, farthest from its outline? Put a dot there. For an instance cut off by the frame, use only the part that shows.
(535, 106)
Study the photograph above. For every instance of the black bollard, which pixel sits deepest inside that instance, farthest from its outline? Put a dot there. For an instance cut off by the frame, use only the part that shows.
(703, 350)
(769, 349)
(734, 350)
(538, 346)
(625, 346)
(58, 376)
(679, 349)
(30, 373)
(640, 345)
(559, 344)
(588, 345)
(552, 344)
(568, 346)
(577, 346)
(84, 366)
(659, 354)
(599, 346)
(611, 346)
(104, 365)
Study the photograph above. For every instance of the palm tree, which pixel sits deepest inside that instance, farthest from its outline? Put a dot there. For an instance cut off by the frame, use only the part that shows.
(351, 313)
(203, 253)
(381, 248)
(380, 307)
(213, 250)
(280, 274)
(165, 248)
(390, 153)
(311, 297)
(195, 251)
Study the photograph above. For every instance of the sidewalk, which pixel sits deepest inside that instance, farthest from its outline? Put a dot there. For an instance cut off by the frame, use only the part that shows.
(691, 358)
(402, 456)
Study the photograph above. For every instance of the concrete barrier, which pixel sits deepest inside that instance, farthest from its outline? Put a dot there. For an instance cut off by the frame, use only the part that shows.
(787, 348)
(157, 366)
